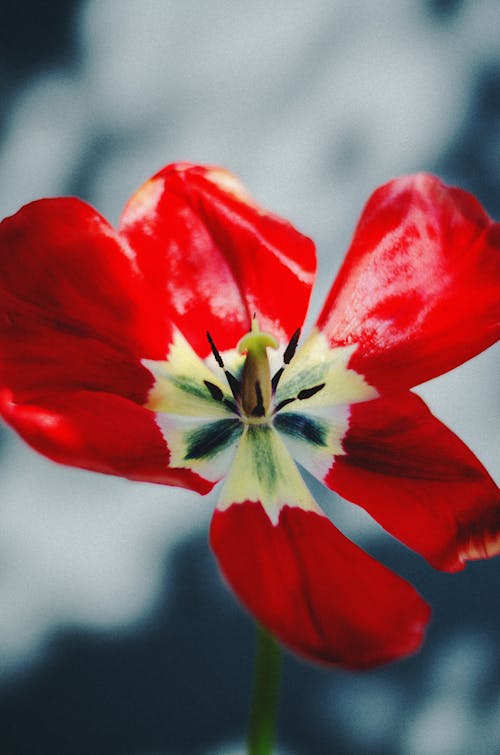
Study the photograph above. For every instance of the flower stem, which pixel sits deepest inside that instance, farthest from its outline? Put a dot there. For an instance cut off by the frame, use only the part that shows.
(264, 706)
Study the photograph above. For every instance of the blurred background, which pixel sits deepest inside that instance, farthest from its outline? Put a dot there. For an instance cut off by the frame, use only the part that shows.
(117, 636)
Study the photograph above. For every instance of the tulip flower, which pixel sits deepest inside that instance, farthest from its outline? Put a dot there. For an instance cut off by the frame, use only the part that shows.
(170, 351)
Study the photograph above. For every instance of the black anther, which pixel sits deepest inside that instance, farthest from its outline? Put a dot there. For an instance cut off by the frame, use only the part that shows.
(292, 347)
(233, 384)
(214, 390)
(232, 381)
(276, 378)
(308, 392)
(215, 351)
(283, 403)
(231, 405)
(287, 358)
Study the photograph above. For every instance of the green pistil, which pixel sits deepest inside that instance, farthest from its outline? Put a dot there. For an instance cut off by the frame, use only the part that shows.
(256, 388)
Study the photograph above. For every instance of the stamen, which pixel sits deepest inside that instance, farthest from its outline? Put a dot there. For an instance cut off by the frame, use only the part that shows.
(215, 351)
(301, 395)
(287, 358)
(232, 381)
(214, 390)
(276, 378)
(231, 405)
(292, 347)
(308, 392)
(283, 403)
(233, 384)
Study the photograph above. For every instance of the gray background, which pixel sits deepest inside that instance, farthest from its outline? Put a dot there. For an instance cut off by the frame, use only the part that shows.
(116, 635)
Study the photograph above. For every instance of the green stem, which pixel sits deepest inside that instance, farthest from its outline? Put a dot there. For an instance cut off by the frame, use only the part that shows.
(264, 706)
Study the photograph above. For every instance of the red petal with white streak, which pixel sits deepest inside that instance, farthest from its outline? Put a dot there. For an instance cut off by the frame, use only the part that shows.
(419, 481)
(217, 258)
(317, 592)
(419, 289)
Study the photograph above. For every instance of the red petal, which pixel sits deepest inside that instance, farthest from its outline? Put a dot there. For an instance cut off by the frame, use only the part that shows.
(314, 589)
(40, 357)
(101, 432)
(216, 258)
(419, 290)
(63, 265)
(74, 318)
(416, 478)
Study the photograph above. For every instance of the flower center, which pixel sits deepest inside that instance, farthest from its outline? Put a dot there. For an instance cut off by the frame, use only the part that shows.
(204, 418)
(254, 393)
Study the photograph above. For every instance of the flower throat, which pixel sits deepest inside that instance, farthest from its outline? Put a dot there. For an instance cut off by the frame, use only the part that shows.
(254, 393)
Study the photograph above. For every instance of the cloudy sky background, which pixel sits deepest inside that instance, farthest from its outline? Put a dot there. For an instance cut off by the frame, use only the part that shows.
(116, 635)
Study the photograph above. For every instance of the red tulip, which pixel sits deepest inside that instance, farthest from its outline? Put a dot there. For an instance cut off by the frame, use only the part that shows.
(167, 351)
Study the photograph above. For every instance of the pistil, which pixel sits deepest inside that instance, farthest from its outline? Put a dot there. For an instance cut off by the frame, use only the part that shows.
(256, 388)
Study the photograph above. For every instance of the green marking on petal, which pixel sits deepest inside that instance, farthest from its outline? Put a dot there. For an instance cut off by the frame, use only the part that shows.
(315, 363)
(264, 471)
(263, 456)
(207, 441)
(302, 427)
(192, 387)
(180, 384)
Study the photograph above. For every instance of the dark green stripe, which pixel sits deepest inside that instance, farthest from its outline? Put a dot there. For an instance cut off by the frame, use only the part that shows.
(263, 455)
(193, 387)
(302, 427)
(207, 441)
